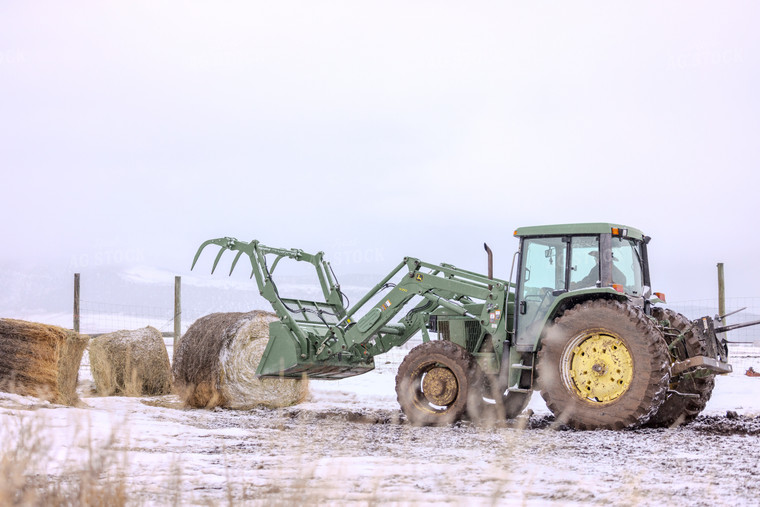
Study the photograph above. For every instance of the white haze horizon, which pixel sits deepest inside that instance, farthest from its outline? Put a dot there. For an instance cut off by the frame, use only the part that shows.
(130, 133)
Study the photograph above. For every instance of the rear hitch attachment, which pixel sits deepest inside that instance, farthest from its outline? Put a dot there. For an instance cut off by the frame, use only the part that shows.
(700, 362)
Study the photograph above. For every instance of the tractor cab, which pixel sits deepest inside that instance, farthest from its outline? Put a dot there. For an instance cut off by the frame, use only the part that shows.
(573, 263)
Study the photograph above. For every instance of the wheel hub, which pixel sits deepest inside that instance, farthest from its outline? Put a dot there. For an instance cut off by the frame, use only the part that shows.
(440, 386)
(600, 368)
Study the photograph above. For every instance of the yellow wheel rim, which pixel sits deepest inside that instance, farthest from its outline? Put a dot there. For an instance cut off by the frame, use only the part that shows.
(440, 386)
(600, 367)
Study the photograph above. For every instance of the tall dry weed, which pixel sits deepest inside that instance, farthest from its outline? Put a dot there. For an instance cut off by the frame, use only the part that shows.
(30, 474)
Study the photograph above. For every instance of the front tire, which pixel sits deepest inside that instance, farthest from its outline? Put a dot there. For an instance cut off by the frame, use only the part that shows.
(433, 382)
(603, 365)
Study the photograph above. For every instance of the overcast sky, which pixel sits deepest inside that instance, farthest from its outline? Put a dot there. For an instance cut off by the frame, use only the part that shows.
(133, 131)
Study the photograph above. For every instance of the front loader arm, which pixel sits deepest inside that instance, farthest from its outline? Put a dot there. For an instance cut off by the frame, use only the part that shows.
(326, 340)
(439, 286)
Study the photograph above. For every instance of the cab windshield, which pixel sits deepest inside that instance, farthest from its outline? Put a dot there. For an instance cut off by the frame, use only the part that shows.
(545, 260)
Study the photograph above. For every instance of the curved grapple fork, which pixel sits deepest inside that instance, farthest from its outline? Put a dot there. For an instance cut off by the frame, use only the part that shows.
(227, 243)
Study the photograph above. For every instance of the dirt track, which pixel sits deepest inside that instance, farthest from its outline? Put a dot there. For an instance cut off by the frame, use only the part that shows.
(318, 456)
(312, 454)
(350, 444)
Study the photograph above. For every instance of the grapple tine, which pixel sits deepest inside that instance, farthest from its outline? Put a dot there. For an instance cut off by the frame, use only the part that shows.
(228, 243)
(218, 256)
(237, 257)
(200, 249)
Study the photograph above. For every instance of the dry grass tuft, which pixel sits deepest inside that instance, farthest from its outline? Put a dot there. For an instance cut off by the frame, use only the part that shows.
(27, 477)
(216, 359)
(131, 363)
(40, 360)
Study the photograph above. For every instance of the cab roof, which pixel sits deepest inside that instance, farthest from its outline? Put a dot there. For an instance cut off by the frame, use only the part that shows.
(580, 229)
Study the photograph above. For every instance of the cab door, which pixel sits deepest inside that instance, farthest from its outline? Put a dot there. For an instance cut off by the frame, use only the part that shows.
(543, 274)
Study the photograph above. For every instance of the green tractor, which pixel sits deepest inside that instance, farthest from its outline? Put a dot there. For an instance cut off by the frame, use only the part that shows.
(579, 323)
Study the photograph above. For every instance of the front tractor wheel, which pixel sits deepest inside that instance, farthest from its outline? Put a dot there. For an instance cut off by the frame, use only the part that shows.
(603, 364)
(433, 382)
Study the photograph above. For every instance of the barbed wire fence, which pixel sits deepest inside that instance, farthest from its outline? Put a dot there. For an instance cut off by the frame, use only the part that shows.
(747, 308)
(105, 317)
(743, 343)
(99, 317)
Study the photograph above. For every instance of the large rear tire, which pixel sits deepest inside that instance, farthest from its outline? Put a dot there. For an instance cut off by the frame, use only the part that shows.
(603, 364)
(687, 395)
(433, 382)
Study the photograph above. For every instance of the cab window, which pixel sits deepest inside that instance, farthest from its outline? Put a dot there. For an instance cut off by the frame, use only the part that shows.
(543, 266)
(627, 265)
(584, 269)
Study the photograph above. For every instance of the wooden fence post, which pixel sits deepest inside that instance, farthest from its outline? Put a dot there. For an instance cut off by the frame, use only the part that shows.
(177, 310)
(76, 302)
(721, 292)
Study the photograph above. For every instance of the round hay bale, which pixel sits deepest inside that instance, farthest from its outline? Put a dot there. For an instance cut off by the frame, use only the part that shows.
(130, 363)
(40, 360)
(215, 364)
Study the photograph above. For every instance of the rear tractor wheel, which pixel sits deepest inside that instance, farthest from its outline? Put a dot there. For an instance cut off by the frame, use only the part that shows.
(688, 392)
(433, 382)
(603, 364)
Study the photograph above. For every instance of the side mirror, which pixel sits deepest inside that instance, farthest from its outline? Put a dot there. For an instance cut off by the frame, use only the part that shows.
(549, 253)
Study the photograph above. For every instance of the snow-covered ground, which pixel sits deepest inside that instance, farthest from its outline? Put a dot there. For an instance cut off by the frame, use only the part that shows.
(349, 444)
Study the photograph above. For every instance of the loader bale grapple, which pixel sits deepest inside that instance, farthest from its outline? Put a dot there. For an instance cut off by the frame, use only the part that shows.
(325, 340)
(579, 323)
